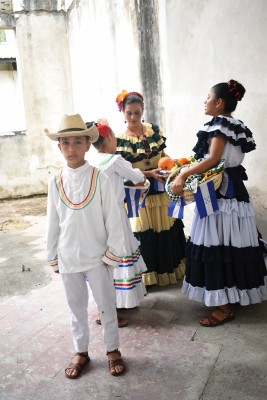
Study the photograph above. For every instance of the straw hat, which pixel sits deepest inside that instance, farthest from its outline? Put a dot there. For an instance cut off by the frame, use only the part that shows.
(73, 125)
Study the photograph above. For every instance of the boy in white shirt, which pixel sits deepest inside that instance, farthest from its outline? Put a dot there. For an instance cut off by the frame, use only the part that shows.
(84, 240)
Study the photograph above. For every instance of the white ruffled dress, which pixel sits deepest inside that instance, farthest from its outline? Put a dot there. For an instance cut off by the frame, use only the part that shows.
(225, 262)
(130, 289)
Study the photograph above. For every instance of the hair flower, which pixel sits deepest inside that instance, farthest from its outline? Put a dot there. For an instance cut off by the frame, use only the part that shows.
(120, 98)
(103, 129)
(234, 90)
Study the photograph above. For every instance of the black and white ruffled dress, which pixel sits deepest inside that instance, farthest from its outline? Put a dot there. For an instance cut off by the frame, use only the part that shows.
(225, 262)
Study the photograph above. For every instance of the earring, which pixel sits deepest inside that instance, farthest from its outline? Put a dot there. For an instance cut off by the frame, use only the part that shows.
(125, 122)
(143, 120)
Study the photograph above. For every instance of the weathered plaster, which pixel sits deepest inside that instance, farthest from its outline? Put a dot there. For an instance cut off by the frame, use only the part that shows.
(80, 60)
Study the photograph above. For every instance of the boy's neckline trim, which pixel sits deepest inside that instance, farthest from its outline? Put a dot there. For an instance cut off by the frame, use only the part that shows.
(64, 198)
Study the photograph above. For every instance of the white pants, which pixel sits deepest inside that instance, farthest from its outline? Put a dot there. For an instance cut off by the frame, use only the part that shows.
(101, 283)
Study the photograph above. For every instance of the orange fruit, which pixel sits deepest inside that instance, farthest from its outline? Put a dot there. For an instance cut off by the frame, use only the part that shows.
(166, 163)
(183, 161)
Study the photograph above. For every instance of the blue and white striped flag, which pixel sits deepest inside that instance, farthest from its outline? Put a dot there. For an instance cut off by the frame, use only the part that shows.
(132, 197)
(176, 208)
(158, 186)
(142, 205)
(206, 200)
(227, 187)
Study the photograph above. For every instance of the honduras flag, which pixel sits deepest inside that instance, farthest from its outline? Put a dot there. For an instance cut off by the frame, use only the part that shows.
(159, 186)
(206, 200)
(142, 205)
(176, 208)
(132, 197)
(227, 187)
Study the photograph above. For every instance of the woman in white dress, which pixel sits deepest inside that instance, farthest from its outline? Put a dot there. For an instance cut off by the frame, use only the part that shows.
(225, 262)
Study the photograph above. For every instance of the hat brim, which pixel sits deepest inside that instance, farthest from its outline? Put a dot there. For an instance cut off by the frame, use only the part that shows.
(92, 134)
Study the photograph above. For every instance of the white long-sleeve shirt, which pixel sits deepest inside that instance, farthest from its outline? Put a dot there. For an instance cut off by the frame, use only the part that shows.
(83, 221)
(117, 168)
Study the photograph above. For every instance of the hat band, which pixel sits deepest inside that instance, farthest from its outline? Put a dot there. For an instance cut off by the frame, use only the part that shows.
(71, 130)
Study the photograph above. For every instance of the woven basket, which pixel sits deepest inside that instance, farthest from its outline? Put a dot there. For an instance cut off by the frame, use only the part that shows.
(143, 188)
(188, 195)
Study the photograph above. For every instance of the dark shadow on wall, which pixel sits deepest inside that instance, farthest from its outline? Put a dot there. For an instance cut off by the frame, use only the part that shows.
(148, 37)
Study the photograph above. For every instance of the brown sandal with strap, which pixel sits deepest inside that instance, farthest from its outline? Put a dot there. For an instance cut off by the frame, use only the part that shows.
(122, 323)
(77, 367)
(211, 320)
(114, 363)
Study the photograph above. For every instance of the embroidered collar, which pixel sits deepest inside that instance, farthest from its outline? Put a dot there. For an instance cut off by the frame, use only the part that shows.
(64, 198)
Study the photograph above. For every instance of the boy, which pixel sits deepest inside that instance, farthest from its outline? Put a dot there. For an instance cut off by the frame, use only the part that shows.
(84, 241)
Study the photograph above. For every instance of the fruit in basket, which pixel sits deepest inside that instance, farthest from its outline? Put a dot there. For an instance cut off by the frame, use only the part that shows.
(183, 161)
(174, 169)
(191, 159)
(166, 163)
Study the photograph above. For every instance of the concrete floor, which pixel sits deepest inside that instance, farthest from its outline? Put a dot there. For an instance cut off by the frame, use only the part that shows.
(168, 354)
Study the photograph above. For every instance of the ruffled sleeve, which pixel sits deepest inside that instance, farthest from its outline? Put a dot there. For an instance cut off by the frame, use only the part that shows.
(232, 129)
(133, 149)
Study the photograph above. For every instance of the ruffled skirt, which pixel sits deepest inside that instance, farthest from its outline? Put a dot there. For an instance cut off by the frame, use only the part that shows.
(130, 289)
(225, 263)
(162, 241)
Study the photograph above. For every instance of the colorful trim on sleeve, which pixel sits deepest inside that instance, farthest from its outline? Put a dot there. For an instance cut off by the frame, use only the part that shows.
(233, 130)
(112, 257)
(133, 150)
(53, 263)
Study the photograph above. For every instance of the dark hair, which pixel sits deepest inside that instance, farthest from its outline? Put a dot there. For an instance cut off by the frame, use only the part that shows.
(133, 97)
(100, 139)
(231, 92)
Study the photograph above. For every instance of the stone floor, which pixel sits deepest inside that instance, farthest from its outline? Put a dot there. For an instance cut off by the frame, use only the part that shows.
(168, 354)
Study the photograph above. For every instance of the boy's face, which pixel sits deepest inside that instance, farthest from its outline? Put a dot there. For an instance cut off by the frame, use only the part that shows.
(74, 149)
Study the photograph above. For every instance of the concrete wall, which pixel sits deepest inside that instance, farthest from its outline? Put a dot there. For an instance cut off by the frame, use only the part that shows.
(80, 61)
(43, 63)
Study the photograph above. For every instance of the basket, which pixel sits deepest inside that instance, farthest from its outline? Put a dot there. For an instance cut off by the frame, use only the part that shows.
(188, 195)
(135, 197)
(143, 188)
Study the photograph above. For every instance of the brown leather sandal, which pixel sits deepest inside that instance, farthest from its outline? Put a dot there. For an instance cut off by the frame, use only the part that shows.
(122, 323)
(114, 363)
(211, 321)
(77, 367)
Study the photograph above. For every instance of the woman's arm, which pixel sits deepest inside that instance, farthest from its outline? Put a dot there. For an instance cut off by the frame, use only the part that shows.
(215, 153)
(154, 173)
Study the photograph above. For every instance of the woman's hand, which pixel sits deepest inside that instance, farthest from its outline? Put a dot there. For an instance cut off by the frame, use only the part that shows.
(154, 173)
(177, 185)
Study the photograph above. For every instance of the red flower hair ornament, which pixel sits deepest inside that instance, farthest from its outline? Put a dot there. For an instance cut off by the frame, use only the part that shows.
(121, 96)
(103, 128)
(233, 89)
